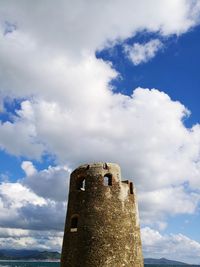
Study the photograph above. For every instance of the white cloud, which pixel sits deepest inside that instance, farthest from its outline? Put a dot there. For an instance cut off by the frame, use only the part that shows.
(50, 60)
(20, 207)
(80, 19)
(142, 53)
(173, 246)
(16, 195)
(169, 200)
(163, 159)
(51, 183)
(16, 238)
(24, 143)
(28, 168)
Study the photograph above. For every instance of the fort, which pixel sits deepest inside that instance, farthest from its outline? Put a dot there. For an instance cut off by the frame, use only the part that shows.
(102, 223)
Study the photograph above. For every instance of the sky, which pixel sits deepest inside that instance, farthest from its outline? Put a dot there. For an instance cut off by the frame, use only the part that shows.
(100, 81)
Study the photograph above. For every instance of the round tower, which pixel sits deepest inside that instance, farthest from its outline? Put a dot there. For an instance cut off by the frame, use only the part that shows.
(102, 224)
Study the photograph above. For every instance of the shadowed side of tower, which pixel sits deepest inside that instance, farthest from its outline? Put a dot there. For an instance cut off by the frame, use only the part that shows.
(102, 225)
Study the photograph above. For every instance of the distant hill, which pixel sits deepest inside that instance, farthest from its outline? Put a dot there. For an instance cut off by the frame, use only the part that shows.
(163, 261)
(12, 254)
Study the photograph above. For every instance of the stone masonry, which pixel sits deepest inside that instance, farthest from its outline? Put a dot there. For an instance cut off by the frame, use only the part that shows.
(102, 224)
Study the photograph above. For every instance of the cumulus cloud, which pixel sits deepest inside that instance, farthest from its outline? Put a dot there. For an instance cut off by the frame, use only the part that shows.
(26, 143)
(141, 53)
(79, 20)
(21, 208)
(169, 200)
(51, 183)
(52, 63)
(16, 238)
(168, 151)
(173, 246)
(28, 168)
(164, 158)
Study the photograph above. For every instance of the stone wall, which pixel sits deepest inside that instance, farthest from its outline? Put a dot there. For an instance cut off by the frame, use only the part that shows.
(102, 225)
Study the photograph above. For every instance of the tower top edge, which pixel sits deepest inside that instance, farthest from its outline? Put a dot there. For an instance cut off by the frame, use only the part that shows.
(103, 165)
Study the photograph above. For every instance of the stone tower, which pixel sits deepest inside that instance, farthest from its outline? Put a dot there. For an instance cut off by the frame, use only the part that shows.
(102, 225)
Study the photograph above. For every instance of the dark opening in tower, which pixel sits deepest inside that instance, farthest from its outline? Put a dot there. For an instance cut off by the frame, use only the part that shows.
(108, 179)
(74, 223)
(131, 188)
(80, 184)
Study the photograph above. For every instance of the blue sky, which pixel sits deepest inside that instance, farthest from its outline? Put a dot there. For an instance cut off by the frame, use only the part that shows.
(75, 90)
(174, 70)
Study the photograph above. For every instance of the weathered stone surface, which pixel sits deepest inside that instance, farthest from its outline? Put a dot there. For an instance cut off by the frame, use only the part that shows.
(102, 225)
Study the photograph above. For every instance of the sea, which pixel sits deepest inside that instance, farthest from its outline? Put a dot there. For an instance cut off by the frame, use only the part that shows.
(57, 264)
(28, 264)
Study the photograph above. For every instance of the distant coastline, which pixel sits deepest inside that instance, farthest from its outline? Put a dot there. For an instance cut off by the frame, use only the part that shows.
(28, 255)
(12, 255)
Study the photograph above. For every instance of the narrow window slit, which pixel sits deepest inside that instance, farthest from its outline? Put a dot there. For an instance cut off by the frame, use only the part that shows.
(131, 188)
(74, 224)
